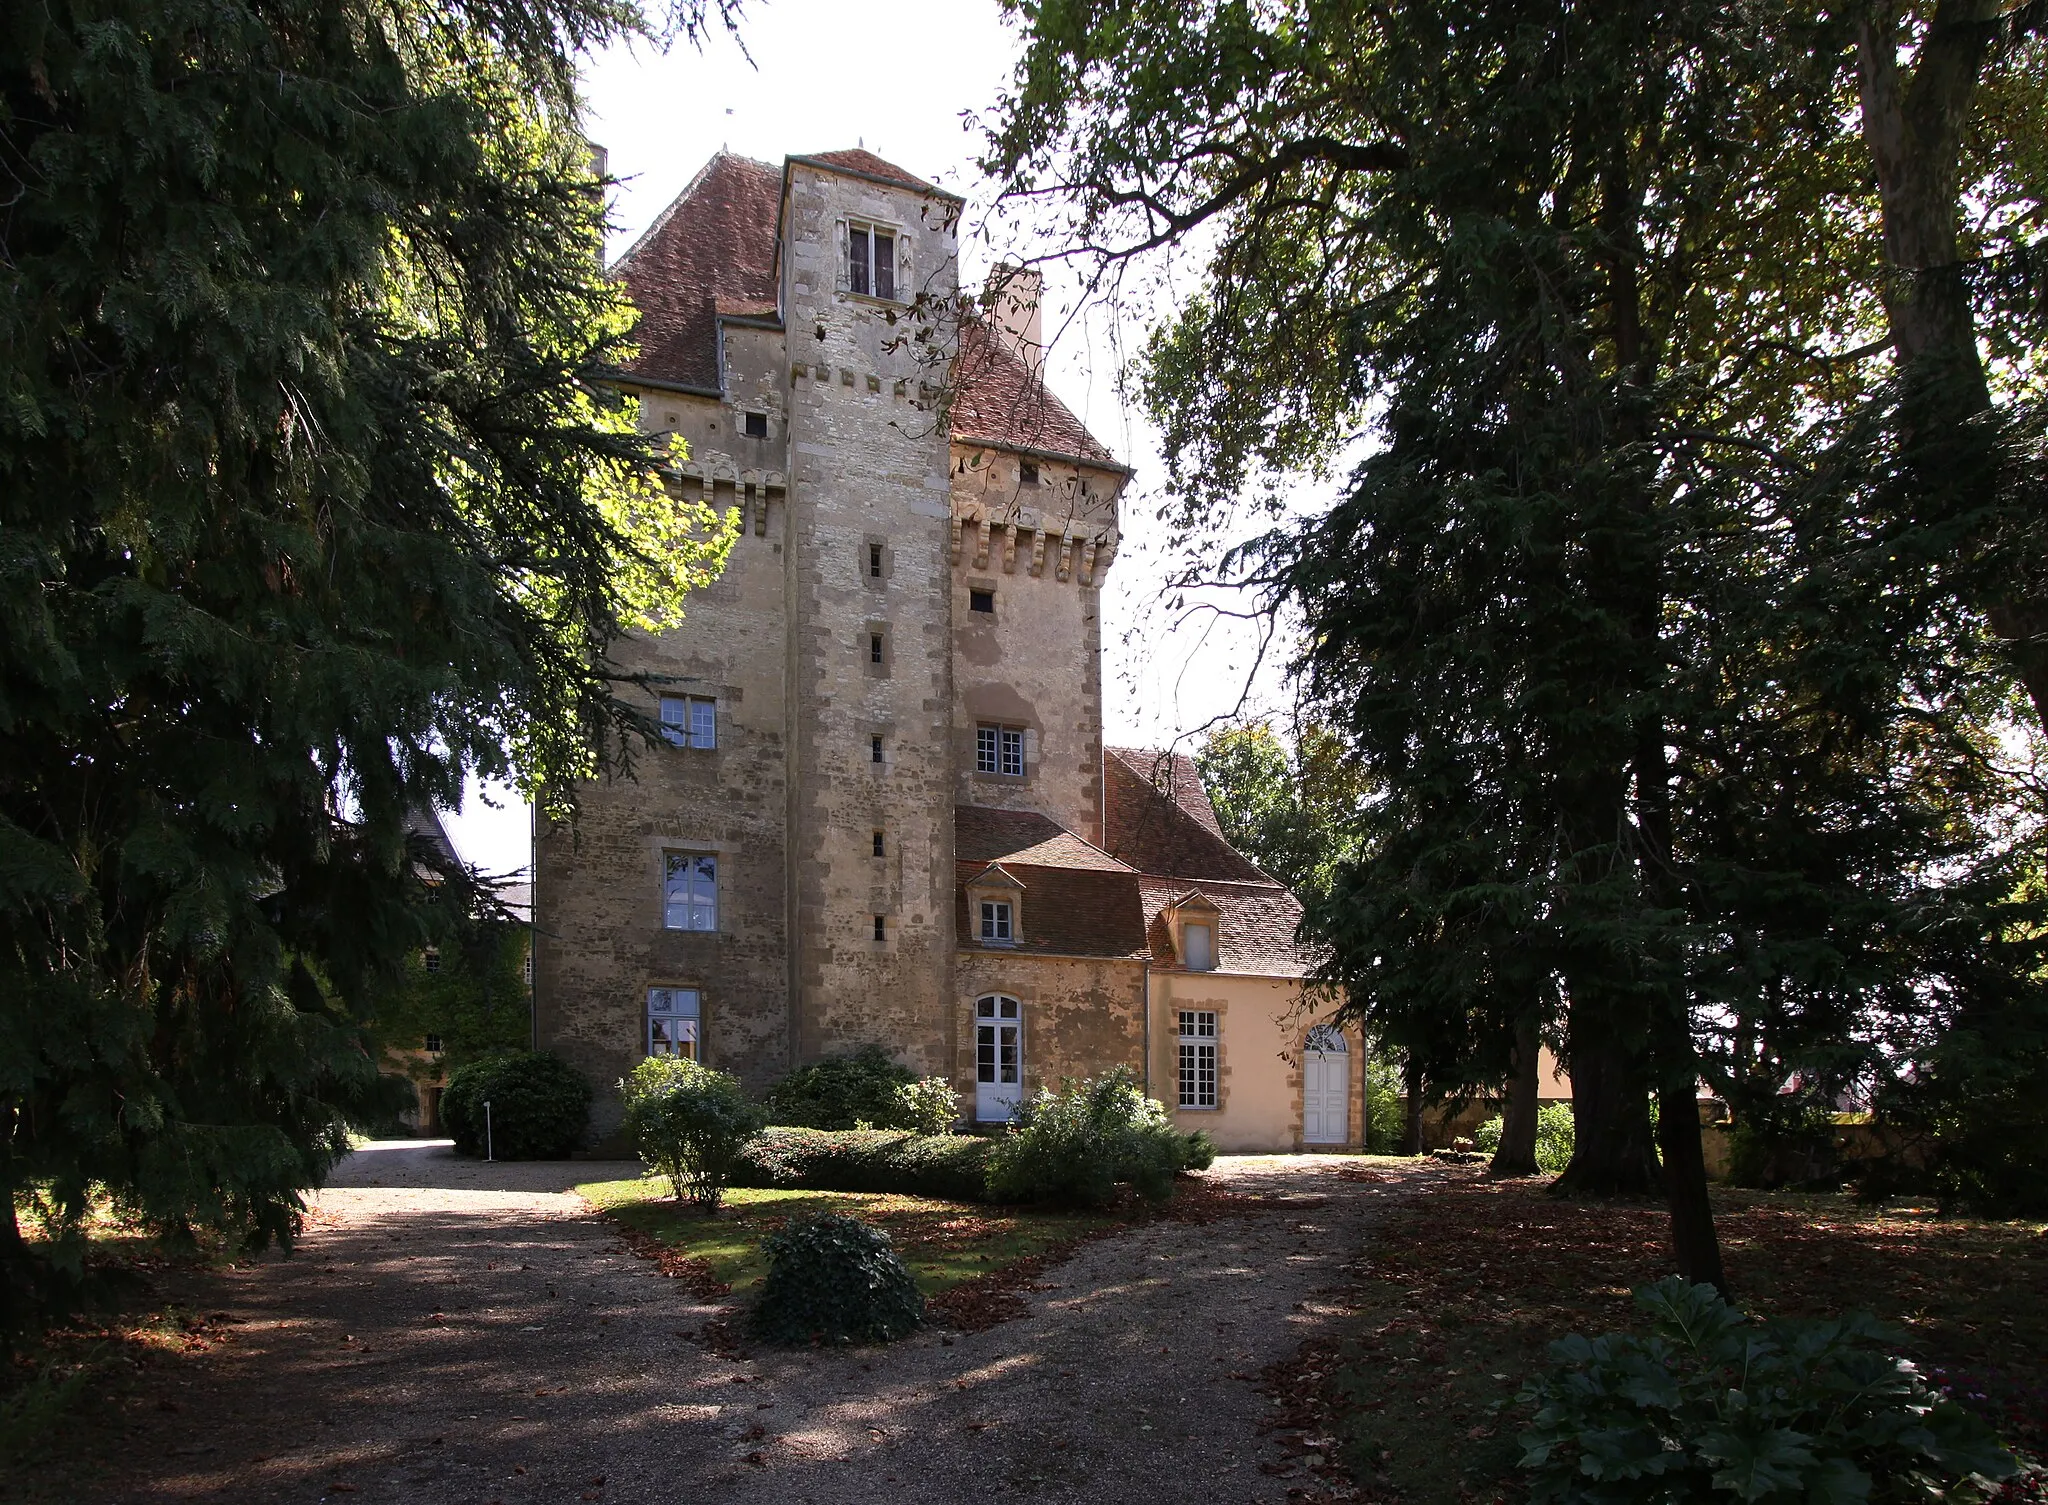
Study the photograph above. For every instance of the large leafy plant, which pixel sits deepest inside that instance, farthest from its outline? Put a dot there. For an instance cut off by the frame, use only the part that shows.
(1712, 1406)
(690, 1123)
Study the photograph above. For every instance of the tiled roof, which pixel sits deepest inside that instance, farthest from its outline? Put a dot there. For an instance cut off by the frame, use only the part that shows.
(998, 399)
(1255, 925)
(1157, 818)
(714, 245)
(981, 834)
(868, 165)
(1066, 911)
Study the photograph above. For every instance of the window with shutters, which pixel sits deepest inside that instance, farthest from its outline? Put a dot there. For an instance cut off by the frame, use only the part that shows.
(1197, 1058)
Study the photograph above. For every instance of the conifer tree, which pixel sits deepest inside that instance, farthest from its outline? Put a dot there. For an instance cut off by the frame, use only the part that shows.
(313, 500)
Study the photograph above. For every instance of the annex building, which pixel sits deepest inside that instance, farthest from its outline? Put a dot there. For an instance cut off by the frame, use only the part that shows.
(885, 814)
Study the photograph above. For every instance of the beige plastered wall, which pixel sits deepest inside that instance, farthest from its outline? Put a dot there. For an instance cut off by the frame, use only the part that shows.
(1261, 1027)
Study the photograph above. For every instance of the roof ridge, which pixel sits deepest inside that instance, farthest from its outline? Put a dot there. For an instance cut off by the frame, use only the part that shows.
(660, 221)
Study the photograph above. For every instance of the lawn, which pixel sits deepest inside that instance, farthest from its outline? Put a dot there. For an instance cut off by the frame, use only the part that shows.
(1465, 1285)
(944, 1243)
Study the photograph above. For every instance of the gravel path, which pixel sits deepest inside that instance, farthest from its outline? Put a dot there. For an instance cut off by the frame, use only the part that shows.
(472, 1334)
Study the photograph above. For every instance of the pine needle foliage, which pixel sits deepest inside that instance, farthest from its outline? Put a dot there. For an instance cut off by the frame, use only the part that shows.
(313, 500)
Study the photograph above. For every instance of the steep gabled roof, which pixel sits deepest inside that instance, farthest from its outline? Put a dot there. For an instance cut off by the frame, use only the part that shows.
(1255, 925)
(714, 245)
(1157, 818)
(865, 164)
(1000, 401)
(981, 834)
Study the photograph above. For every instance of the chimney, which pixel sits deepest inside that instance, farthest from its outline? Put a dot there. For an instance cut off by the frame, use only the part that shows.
(600, 160)
(1011, 299)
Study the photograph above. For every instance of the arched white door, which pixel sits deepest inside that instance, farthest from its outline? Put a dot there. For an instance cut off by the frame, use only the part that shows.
(998, 1058)
(1325, 1088)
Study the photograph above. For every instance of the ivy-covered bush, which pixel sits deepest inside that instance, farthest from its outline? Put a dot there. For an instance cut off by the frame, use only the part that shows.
(950, 1166)
(1555, 1133)
(1079, 1145)
(833, 1279)
(863, 1090)
(691, 1124)
(539, 1106)
(1710, 1406)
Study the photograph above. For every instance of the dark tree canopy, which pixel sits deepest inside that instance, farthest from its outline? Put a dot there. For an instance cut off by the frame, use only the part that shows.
(313, 500)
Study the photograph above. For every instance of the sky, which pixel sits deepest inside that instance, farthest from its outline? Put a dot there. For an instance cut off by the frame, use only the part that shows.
(909, 80)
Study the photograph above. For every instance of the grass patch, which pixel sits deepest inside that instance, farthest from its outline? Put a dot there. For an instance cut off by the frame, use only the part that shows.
(943, 1243)
(1465, 1285)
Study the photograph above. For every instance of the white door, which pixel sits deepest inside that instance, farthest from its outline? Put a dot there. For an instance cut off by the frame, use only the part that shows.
(998, 1058)
(1325, 1088)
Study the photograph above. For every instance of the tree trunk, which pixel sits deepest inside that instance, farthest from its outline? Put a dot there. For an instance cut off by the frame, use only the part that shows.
(1413, 1082)
(1613, 1151)
(1516, 1155)
(1914, 129)
(1693, 1238)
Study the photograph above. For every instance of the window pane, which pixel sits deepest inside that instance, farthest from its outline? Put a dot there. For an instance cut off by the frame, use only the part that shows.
(1200, 952)
(703, 723)
(1007, 1053)
(857, 260)
(985, 1053)
(690, 900)
(985, 749)
(885, 265)
(1013, 752)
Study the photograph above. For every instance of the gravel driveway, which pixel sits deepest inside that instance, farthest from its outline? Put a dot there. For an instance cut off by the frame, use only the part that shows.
(471, 1333)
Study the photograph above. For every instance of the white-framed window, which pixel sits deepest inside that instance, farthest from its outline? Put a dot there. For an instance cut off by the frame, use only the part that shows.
(999, 749)
(870, 259)
(673, 1017)
(433, 1045)
(1197, 1058)
(998, 1042)
(689, 720)
(1198, 947)
(430, 959)
(996, 929)
(689, 898)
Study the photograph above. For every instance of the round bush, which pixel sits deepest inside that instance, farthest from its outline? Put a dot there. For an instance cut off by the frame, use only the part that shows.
(1082, 1144)
(691, 1124)
(539, 1106)
(862, 1090)
(833, 1279)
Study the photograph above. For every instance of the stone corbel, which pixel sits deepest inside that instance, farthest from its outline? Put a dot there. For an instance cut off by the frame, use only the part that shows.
(959, 523)
(1066, 564)
(981, 539)
(1010, 550)
(1088, 563)
(1038, 552)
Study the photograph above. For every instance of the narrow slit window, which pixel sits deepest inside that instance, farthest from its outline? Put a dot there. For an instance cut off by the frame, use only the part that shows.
(881, 928)
(875, 749)
(874, 561)
(875, 649)
(878, 845)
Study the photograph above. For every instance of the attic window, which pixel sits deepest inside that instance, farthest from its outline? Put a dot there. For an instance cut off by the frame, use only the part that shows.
(1027, 472)
(871, 260)
(978, 600)
(757, 425)
(995, 923)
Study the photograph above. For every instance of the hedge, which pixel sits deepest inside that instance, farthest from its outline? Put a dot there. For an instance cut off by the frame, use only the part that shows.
(952, 1166)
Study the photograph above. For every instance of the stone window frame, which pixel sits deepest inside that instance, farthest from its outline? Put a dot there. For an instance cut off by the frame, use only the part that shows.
(1026, 737)
(877, 639)
(1202, 910)
(900, 265)
(1198, 1033)
(865, 562)
(669, 854)
(694, 1021)
(995, 885)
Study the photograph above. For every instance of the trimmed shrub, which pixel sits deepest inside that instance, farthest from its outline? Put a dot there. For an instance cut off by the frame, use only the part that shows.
(690, 1123)
(928, 1105)
(950, 1166)
(539, 1106)
(842, 1092)
(833, 1279)
(1080, 1144)
(1713, 1407)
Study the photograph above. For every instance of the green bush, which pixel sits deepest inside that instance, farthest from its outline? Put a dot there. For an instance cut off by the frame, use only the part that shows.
(1386, 1124)
(690, 1123)
(539, 1106)
(863, 1090)
(833, 1279)
(949, 1166)
(1200, 1151)
(1554, 1136)
(1080, 1144)
(1712, 1407)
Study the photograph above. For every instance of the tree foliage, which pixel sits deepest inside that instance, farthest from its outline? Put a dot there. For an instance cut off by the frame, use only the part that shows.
(1664, 613)
(1290, 809)
(313, 500)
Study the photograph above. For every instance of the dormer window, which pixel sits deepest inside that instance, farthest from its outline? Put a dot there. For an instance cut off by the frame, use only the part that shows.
(996, 929)
(1193, 921)
(1198, 946)
(995, 908)
(871, 260)
(1027, 472)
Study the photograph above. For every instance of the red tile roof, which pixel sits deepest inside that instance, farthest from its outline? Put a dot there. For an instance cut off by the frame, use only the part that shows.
(715, 243)
(1255, 925)
(1000, 401)
(1065, 911)
(868, 165)
(984, 835)
(1157, 818)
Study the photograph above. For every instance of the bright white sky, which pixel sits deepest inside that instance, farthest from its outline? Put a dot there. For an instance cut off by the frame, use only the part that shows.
(905, 79)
